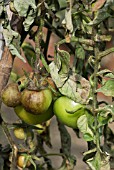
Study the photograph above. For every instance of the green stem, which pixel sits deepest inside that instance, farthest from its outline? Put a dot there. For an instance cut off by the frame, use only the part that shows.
(104, 53)
(95, 83)
(13, 158)
(43, 153)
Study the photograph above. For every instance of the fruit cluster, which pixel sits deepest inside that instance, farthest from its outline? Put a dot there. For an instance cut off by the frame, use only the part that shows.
(33, 105)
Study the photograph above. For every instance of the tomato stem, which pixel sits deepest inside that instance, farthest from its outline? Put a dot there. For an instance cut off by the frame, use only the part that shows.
(94, 87)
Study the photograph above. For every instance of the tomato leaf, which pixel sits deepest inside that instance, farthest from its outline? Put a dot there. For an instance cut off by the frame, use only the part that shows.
(101, 15)
(26, 9)
(67, 22)
(99, 162)
(1, 9)
(108, 88)
(12, 40)
(62, 3)
(70, 84)
(63, 58)
(80, 52)
(29, 53)
(106, 73)
(106, 114)
(83, 126)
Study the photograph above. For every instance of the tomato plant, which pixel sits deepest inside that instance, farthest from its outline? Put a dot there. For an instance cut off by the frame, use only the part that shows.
(65, 82)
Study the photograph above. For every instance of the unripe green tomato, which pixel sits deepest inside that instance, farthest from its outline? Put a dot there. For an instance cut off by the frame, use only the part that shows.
(36, 102)
(33, 119)
(68, 111)
(20, 133)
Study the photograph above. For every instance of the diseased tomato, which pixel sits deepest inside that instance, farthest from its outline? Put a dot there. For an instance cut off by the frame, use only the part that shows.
(11, 95)
(68, 111)
(36, 102)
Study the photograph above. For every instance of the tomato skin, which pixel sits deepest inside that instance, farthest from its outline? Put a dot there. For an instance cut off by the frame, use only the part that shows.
(36, 102)
(62, 106)
(21, 161)
(11, 95)
(19, 133)
(32, 119)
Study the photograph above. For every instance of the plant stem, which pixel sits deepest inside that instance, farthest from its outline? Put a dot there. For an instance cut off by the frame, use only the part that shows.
(58, 33)
(44, 153)
(66, 146)
(38, 39)
(95, 83)
(13, 158)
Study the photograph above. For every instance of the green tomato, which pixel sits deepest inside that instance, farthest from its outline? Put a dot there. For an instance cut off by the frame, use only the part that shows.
(67, 111)
(33, 119)
(20, 133)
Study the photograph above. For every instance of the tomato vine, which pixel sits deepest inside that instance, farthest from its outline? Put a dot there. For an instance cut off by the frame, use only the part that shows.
(74, 72)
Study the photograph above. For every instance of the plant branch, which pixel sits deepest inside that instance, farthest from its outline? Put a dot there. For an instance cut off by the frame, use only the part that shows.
(104, 53)
(56, 31)
(38, 39)
(66, 146)
(13, 158)
(94, 88)
(43, 153)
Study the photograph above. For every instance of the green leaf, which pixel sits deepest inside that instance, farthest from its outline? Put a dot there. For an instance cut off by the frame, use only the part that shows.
(68, 20)
(12, 40)
(62, 3)
(63, 59)
(106, 73)
(106, 114)
(1, 9)
(99, 162)
(83, 126)
(101, 15)
(22, 6)
(26, 9)
(70, 84)
(108, 88)
(60, 16)
(29, 53)
(80, 52)
(110, 4)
